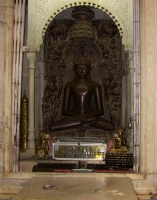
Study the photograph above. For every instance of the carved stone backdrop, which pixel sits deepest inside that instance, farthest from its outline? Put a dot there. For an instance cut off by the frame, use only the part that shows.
(41, 12)
(100, 41)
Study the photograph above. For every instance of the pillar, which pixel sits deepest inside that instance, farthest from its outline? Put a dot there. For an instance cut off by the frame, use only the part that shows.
(42, 86)
(31, 110)
(137, 80)
(6, 57)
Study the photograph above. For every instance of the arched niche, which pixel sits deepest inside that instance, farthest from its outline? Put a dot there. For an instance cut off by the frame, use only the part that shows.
(122, 15)
(126, 44)
(102, 43)
(41, 14)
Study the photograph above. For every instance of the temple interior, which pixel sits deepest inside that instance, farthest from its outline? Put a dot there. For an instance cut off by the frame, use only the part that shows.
(78, 99)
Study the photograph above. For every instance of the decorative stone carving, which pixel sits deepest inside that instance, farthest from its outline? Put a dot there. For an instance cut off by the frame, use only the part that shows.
(45, 11)
(66, 40)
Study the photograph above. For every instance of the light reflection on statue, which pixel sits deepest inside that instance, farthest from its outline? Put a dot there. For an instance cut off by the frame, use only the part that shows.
(80, 91)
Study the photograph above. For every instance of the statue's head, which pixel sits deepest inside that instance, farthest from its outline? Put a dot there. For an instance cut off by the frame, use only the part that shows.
(82, 67)
(120, 131)
(82, 61)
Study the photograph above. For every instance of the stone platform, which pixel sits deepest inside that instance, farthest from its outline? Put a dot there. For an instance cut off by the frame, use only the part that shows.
(78, 188)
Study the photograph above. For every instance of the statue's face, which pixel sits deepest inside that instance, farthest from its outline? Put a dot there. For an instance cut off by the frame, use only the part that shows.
(82, 71)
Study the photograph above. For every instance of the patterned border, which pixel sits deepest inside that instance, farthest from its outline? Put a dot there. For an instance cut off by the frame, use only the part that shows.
(43, 12)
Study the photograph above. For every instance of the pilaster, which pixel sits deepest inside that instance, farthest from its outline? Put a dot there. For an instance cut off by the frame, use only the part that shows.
(148, 70)
(6, 80)
(148, 86)
(2, 42)
(31, 126)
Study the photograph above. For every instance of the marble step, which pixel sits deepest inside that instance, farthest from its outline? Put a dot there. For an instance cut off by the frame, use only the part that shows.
(78, 188)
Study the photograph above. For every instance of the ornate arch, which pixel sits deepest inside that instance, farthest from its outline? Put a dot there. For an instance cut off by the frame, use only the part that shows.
(44, 12)
(87, 4)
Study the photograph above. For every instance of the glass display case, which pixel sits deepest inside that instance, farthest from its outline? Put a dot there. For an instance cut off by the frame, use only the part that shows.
(79, 149)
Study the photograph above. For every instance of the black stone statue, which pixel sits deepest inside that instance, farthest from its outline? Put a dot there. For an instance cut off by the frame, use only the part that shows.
(80, 92)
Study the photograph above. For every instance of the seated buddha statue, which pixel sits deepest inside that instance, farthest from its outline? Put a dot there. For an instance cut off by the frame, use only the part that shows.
(120, 142)
(80, 91)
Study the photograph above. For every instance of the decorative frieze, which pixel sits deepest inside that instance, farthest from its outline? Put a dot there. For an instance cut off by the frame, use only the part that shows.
(42, 12)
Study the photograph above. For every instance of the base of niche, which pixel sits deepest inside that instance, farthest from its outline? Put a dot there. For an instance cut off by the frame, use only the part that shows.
(57, 166)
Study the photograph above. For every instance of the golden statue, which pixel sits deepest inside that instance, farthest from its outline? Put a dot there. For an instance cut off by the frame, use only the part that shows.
(120, 142)
(42, 150)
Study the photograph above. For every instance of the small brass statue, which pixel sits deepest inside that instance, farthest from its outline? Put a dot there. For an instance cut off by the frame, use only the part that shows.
(42, 150)
(80, 91)
(120, 143)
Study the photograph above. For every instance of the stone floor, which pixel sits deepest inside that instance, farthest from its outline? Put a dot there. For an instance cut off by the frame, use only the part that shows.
(139, 197)
(78, 188)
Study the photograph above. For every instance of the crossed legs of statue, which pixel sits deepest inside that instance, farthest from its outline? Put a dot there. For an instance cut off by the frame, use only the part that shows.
(70, 122)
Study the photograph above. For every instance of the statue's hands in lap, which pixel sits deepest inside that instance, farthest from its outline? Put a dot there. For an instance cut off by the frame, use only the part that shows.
(86, 120)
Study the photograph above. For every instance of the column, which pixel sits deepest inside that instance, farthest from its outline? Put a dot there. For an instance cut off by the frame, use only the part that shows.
(6, 60)
(137, 77)
(31, 125)
(148, 85)
(41, 92)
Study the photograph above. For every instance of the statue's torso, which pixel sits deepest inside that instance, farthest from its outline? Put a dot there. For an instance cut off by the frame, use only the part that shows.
(82, 93)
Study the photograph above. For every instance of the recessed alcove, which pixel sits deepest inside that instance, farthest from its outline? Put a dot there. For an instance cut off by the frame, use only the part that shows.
(111, 71)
